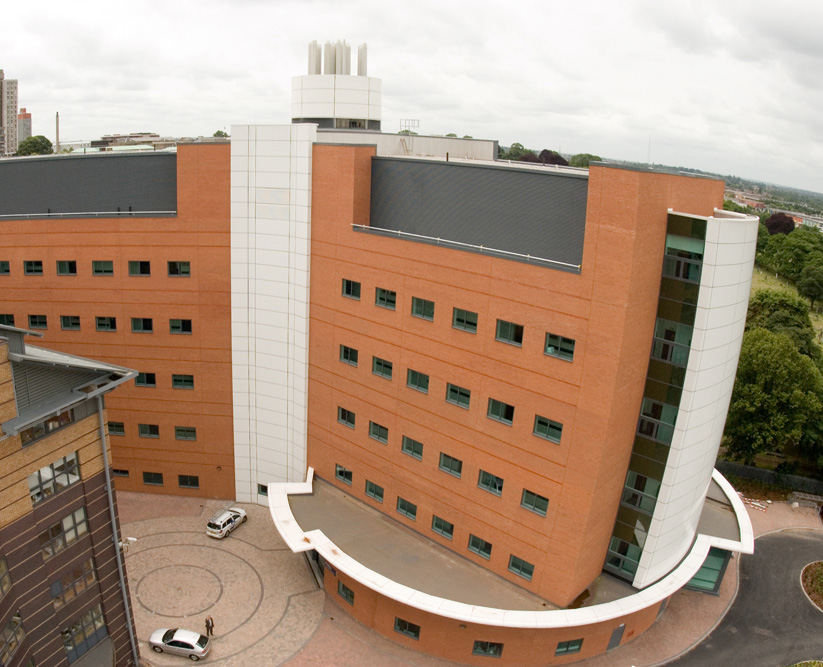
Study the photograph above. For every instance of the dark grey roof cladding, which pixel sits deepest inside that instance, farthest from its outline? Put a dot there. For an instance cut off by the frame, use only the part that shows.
(101, 183)
(34, 384)
(529, 212)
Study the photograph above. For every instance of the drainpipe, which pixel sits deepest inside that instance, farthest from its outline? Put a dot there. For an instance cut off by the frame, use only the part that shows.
(114, 536)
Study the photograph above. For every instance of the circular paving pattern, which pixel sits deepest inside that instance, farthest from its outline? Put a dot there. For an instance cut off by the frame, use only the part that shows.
(179, 590)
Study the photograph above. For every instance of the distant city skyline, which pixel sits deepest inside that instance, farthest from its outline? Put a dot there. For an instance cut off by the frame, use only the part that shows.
(729, 89)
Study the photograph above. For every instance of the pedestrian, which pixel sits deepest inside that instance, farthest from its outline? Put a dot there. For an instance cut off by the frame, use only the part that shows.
(209, 626)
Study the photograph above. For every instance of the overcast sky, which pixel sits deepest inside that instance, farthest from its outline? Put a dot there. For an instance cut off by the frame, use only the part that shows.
(731, 87)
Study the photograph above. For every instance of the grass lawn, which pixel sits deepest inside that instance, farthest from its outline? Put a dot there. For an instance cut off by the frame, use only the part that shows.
(762, 279)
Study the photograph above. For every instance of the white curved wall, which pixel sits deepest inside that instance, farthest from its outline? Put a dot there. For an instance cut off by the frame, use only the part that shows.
(336, 96)
(725, 283)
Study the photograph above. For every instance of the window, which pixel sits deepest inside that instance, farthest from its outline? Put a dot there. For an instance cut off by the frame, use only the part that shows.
(406, 628)
(351, 289)
(501, 412)
(148, 430)
(119, 472)
(262, 489)
(491, 483)
(72, 583)
(348, 355)
(345, 592)
(85, 633)
(451, 465)
(153, 478)
(374, 491)
(491, 649)
(343, 474)
(66, 267)
(63, 533)
(442, 527)
(406, 508)
(413, 448)
(188, 481)
(180, 326)
(465, 320)
(46, 427)
(508, 332)
(33, 267)
(106, 323)
(180, 269)
(521, 568)
(385, 298)
(185, 433)
(117, 428)
(53, 478)
(480, 547)
(5, 577)
(641, 491)
(548, 429)
(557, 346)
(381, 367)
(142, 325)
(5, 268)
(182, 381)
(345, 417)
(422, 308)
(458, 395)
(378, 432)
(534, 503)
(145, 380)
(11, 637)
(7, 319)
(70, 322)
(38, 322)
(139, 268)
(572, 646)
(417, 380)
(102, 268)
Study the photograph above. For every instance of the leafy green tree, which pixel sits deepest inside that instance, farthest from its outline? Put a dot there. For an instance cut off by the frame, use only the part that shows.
(36, 145)
(777, 401)
(790, 258)
(810, 284)
(451, 134)
(774, 244)
(516, 152)
(783, 313)
(220, 133)
(552, 157)
(468, 136)
(583, 159)
(762, 237)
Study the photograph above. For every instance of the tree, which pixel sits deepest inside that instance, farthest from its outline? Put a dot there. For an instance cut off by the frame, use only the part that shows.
(790, 258)
(783, 313)
(780, 223)
(810, 284)
(777, 401)
(220, 133)
(468, 136)
(583, 159)
(516, 152)
(37, 145)
(451, 134)
(552, 157)
(762, 237)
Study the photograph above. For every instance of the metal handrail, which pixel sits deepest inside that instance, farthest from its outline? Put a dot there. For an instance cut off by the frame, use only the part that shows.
(87, 214)
(465, 245)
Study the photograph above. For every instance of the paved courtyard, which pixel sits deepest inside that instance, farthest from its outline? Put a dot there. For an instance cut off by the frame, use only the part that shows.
(268, 609)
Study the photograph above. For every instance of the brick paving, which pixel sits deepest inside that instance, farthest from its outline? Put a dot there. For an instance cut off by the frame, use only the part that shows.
(268, 610)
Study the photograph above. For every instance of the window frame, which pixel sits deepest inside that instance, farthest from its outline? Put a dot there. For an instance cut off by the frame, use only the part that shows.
(459, 394)
(178, 273)
(179, 326)
(371, 490)
(142, 326)
(70, 322)
(406, 508)
(557, 345)
(490, 482)
(74, 580)
(102, 267)
(5, 267)
(477, 546)
(351, 289)
(7, 319)
(343, 417)
(12, 637)
(412, 447)
(569, 647)
(349, 355)
(105, 323)
(151, 478)
(119, 428)
(145, 379)
(510, 333)
(521, 567)
(406, 628)
(345, 592)
(382, 368)
(531, 504)
(5, 577)
(419, 384)
(441, 530)
(385, 298)
(188, 481)
(54, 478)
(38, 324)
(66, 267)
(379, 432)
(488, 649)
(462, 321)
(63, 533)
(32, 267)
(449, 469)
(343, 474)
(549, 426)
(187, 433)
(182, 381)
(498, 411)
(148, 430)
(420, 308)
(136, 267)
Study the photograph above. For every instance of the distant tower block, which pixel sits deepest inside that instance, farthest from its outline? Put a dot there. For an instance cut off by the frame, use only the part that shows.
(337, 98)
(23, 125)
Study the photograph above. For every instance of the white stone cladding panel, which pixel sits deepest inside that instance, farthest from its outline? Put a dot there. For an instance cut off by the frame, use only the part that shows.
(728, 258)
(336, 96)
(270, 255)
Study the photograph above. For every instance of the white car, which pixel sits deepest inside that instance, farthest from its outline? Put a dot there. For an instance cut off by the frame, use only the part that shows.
(180, 642)
(225, 521)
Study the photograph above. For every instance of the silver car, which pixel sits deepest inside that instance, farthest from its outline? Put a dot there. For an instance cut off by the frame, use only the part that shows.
(180, 642)
(225, 521)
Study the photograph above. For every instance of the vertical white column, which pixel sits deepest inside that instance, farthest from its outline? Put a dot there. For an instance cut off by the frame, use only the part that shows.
(270, 236)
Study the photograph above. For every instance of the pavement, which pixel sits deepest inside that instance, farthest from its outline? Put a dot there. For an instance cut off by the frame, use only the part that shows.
(268, 609)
